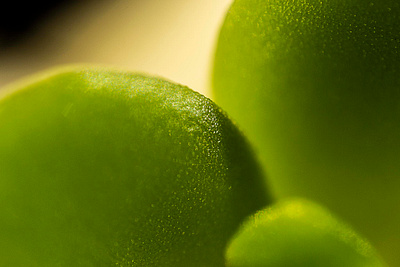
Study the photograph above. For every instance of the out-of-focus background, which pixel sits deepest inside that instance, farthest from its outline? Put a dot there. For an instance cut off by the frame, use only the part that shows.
(174, 39)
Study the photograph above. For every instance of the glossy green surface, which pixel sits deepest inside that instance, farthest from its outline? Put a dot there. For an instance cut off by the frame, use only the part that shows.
(107, 168)
(315, 85)
(298, 233)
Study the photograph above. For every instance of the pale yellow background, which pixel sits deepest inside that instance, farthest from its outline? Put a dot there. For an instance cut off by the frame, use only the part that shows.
(174, 39)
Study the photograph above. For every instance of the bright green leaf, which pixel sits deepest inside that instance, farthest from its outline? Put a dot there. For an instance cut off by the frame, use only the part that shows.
(108, 168)
(298, 233)
(315, 85)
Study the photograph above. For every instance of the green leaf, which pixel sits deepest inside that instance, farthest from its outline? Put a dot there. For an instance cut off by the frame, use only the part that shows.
(100, 167)
(315, 87)
(298, 233)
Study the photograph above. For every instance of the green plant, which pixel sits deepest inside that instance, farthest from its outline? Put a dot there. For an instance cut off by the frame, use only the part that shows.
(315, 87)
(101, 167)
(298, 233)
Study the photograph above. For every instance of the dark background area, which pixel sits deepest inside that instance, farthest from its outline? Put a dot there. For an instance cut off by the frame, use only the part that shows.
(22, 19)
